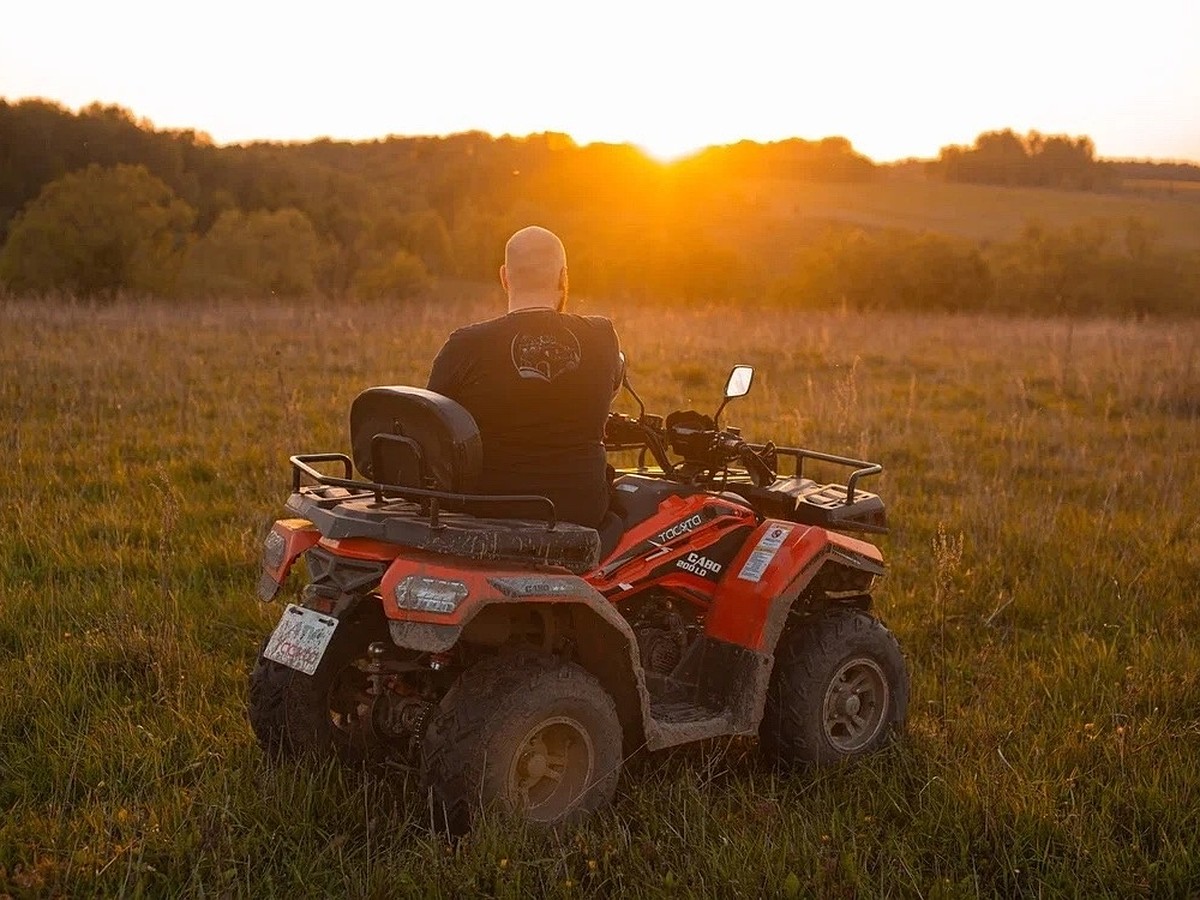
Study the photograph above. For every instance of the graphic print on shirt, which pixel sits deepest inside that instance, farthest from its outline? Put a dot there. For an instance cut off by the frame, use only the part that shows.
(546, 353)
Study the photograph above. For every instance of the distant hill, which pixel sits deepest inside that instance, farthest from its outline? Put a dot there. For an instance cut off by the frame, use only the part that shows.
(983, 213)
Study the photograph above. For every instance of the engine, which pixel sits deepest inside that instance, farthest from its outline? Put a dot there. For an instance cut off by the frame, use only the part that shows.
(663, 633)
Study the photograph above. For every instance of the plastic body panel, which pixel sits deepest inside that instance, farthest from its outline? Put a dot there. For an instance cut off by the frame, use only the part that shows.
(685, 547)
(770, 572)
(293, 536)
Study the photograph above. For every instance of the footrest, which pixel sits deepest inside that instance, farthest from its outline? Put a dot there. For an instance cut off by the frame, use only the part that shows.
(679, 712)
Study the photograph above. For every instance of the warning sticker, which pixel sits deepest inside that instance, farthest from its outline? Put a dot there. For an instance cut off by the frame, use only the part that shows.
(764, 551)
(774, 537)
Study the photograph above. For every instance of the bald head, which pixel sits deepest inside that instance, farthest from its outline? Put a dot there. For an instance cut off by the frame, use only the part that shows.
(535, 269)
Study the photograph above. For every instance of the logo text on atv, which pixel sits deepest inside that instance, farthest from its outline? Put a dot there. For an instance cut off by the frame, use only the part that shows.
(699, 564)
(688, 524)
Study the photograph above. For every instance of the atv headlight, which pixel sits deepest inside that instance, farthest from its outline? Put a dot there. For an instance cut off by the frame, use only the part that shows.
(435, 595)
(274, 549)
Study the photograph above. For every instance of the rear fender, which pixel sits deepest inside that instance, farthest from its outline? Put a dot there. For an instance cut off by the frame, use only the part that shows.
(431, 606)
(287, 539)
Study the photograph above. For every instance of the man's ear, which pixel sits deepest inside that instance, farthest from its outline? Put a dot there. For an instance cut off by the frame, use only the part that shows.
(504, 278)
(561, 306)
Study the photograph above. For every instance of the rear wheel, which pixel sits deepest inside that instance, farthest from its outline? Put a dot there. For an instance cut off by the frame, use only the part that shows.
(536, 734)
(839, 689)
(293, 714)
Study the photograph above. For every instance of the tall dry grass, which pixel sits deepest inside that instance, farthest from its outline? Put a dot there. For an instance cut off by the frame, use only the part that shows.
(1040, 475)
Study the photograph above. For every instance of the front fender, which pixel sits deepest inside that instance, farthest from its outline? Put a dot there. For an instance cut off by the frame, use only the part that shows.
(773, 570)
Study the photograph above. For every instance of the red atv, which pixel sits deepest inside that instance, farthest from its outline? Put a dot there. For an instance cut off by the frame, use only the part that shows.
(523, 660)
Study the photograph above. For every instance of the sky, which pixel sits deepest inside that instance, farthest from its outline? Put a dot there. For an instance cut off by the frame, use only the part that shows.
(897, 79)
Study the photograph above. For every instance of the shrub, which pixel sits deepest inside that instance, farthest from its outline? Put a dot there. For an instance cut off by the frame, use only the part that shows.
(889, 270)
(252, 254)
(97, 231)
(400, 276)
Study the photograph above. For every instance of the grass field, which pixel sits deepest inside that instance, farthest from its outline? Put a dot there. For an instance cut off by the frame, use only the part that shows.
(1184, 189)
(986, 213)
(1041, 479)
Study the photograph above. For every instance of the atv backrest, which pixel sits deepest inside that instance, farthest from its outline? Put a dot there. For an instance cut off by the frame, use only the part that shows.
(414, 437)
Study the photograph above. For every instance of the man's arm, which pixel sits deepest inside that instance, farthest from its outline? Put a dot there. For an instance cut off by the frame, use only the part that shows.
(445, 377)
(619, 377)
(606, 328)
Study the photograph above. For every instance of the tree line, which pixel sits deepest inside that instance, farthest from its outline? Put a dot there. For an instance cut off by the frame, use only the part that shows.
(98, 202)
(1092, 268)
(1047, 160)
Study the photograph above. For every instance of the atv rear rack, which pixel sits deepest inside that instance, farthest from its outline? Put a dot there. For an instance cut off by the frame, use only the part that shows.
(429, 498)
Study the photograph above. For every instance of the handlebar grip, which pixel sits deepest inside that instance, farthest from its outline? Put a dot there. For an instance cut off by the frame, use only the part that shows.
(622, 430)
(760, 473)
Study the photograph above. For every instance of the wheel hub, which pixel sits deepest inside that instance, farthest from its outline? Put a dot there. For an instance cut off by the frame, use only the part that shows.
(551, 768)
(852, 705)
(537, 767)
(856, 704)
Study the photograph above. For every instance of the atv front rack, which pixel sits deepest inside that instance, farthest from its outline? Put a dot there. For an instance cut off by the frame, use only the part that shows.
(429, 498)
(864, 469)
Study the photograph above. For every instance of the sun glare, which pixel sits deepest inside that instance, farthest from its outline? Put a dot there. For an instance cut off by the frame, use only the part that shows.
(668, 148)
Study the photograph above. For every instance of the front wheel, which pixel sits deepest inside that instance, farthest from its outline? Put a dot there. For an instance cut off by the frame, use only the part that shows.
(539, 735)
(838, 690)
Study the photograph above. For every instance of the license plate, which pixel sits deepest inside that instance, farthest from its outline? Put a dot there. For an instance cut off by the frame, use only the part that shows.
(300, 639)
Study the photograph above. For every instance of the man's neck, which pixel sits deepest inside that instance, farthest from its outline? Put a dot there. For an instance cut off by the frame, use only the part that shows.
(520, 304)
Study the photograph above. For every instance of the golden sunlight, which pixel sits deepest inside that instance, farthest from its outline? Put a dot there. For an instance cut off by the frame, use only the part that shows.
(668, 147)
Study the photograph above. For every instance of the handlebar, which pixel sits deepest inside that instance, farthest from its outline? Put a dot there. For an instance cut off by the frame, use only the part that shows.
(627, 433)
(624, 432)
(760, 473)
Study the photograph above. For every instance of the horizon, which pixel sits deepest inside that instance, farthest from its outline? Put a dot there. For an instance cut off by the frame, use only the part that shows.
(898, 83)
(663, 158)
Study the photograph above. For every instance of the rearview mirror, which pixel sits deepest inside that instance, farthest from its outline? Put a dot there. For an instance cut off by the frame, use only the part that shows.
(739, 382)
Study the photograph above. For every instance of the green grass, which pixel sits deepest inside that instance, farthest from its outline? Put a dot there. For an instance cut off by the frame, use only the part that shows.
(1040, 476)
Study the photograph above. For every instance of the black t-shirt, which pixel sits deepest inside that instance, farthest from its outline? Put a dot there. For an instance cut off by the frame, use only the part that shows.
(539, 384)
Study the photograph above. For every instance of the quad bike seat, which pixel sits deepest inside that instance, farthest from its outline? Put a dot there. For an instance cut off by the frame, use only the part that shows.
(411, 437)
(414, 437)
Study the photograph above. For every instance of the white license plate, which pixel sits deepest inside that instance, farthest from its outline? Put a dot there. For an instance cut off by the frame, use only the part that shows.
(300, 639)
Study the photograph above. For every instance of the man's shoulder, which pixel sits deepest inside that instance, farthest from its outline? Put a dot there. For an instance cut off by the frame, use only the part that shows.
(476, 331)
(596, 321)
(601, 325)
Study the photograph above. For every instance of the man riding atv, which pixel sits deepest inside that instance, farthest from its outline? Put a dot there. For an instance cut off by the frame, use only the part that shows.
(522, 658)
(538, 382)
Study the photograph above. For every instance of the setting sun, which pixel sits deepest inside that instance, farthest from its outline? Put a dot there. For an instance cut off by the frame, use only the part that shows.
(668, 148)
